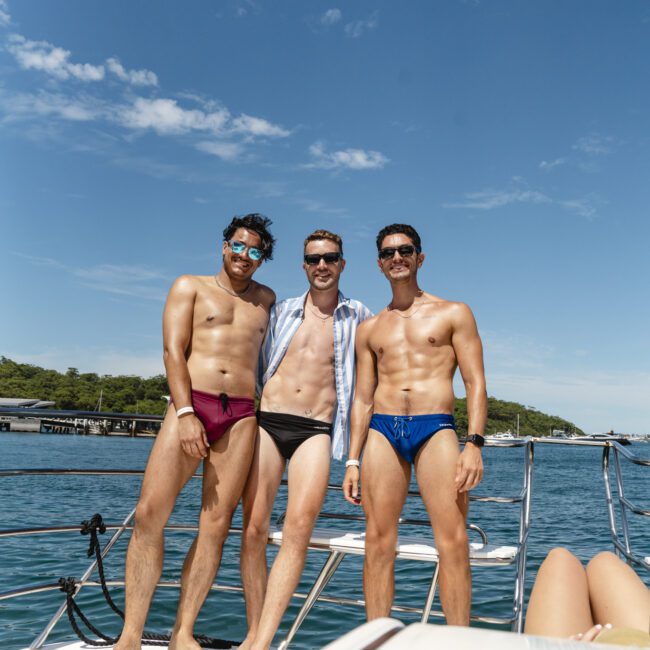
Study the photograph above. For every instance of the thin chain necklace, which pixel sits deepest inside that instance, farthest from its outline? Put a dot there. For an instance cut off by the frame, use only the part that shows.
(323, 319)
(398, 313)
(233, 293)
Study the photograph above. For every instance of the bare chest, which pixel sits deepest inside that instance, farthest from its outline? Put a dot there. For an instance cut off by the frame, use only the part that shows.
(314, 340)
(396, 337)
(214, 311)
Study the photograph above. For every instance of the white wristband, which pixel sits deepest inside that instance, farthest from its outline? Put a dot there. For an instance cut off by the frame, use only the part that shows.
(184, 410)
(352, 463)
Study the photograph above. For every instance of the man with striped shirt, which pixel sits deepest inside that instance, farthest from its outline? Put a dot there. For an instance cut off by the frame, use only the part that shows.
(307, 374)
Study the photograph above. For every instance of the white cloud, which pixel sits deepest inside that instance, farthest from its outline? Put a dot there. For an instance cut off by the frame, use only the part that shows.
(5, 18)
(585, 207)
(547, 166)
(135, 77)
(120, 279)
(331, 17)
(357, 159)
(594, 144)
(21, 105)
(224, 150)
(490, 199)
(256, 126)
(358, 28)
(55, 61)
(43, 56)
(166, 117)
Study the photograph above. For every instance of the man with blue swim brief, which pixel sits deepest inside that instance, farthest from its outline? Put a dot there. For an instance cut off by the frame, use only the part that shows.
(402, 415)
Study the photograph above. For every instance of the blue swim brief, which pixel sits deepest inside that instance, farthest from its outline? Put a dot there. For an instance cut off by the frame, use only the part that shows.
(407, 433)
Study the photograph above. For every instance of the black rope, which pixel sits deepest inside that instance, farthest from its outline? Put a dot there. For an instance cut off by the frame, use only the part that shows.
(69, 587)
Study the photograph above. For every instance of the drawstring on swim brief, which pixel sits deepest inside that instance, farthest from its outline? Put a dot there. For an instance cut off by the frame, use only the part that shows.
(225, 403)
(400, 424)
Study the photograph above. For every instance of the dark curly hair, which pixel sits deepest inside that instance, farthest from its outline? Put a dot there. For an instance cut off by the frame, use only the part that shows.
(258, 224)
(400, 229)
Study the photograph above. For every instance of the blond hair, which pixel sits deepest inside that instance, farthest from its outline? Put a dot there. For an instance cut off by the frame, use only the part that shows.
(325, 234)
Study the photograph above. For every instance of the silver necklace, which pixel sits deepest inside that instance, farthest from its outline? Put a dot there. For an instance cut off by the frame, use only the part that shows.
(233, 293)
(323, 319)
(392, 309)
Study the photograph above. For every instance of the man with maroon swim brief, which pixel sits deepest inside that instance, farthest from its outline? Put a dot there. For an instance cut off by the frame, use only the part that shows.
(213, 327)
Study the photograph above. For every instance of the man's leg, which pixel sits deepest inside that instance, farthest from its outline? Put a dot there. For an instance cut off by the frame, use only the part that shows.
(224, 475)
(435, 470)
(168, 469)
(385, 479)
(259, 495)
(308, 474)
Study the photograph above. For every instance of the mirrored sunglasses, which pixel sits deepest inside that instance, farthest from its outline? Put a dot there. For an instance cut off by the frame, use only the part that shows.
(238, 247)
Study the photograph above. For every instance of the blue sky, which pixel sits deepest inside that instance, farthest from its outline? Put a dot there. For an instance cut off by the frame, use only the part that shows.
(513, 135)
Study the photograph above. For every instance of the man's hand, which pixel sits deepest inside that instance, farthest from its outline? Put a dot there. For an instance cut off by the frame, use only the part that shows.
(194, 440)
(351, 485)
(469, 468)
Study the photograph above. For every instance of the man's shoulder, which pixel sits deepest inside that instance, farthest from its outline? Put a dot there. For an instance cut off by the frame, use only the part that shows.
(189, 283)
(266, 294)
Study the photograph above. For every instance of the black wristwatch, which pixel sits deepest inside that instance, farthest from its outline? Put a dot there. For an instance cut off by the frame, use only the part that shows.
(476, 440)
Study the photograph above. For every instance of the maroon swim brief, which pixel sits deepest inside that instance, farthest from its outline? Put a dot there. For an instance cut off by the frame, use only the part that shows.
(218, 412)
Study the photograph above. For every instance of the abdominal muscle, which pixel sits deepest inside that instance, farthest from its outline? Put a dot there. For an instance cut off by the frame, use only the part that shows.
(224, 366)
(303, 385)
(414, 392)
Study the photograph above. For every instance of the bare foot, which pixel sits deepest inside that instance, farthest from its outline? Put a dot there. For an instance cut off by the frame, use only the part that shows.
(128, 644)
(183, 641)
(247, 643)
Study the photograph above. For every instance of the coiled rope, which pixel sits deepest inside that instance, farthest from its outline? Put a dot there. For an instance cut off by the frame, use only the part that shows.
(69, 587)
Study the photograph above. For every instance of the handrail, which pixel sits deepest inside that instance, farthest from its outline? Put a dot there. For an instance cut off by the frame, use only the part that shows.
(624, 546)
(523, 498)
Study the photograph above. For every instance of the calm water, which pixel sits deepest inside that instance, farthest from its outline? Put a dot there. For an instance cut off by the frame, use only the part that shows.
(568, 509)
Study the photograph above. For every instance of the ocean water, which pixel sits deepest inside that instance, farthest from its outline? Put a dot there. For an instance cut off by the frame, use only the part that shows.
(568, 509)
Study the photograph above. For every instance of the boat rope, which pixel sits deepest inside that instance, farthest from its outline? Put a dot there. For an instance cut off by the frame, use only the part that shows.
(92, 527)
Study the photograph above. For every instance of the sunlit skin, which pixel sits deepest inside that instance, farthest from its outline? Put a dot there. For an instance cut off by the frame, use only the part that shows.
(303, 385)
(406, 359)
(211, 343)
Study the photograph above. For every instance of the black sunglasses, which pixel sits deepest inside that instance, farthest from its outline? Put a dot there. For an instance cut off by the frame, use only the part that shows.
(315, 258)
(404, 251)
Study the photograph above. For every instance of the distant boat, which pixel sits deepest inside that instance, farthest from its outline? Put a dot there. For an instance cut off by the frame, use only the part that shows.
(502, 435)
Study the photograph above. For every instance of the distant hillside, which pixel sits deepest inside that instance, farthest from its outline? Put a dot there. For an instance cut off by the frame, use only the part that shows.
(131, 394)
(502, 416)
(74, 390)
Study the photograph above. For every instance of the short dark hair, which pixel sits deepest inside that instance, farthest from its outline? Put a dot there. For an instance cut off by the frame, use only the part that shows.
(258, 224)
(400, 229)
(325, 234)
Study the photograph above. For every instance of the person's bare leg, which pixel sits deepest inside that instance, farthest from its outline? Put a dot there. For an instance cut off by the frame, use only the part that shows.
(168, 469)
(385, 479)
(435, 470)
(559, 602)
(308, 474)
(225, 471)
(259, 494)
(617, 594)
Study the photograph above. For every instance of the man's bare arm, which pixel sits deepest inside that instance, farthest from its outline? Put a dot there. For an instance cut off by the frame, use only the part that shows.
(177, 334)
(362, 407)
(469, 354)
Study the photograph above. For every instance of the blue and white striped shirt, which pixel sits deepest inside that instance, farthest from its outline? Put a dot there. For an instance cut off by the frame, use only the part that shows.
(285, 319)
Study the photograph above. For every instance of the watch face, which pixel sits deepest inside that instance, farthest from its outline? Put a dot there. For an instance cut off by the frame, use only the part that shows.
(477, 440)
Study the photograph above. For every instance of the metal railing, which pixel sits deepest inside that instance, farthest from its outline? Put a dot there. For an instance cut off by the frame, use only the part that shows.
(624, 545)
(515, 620)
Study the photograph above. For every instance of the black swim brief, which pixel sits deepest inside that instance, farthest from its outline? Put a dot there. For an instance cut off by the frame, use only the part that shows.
(288, 432)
